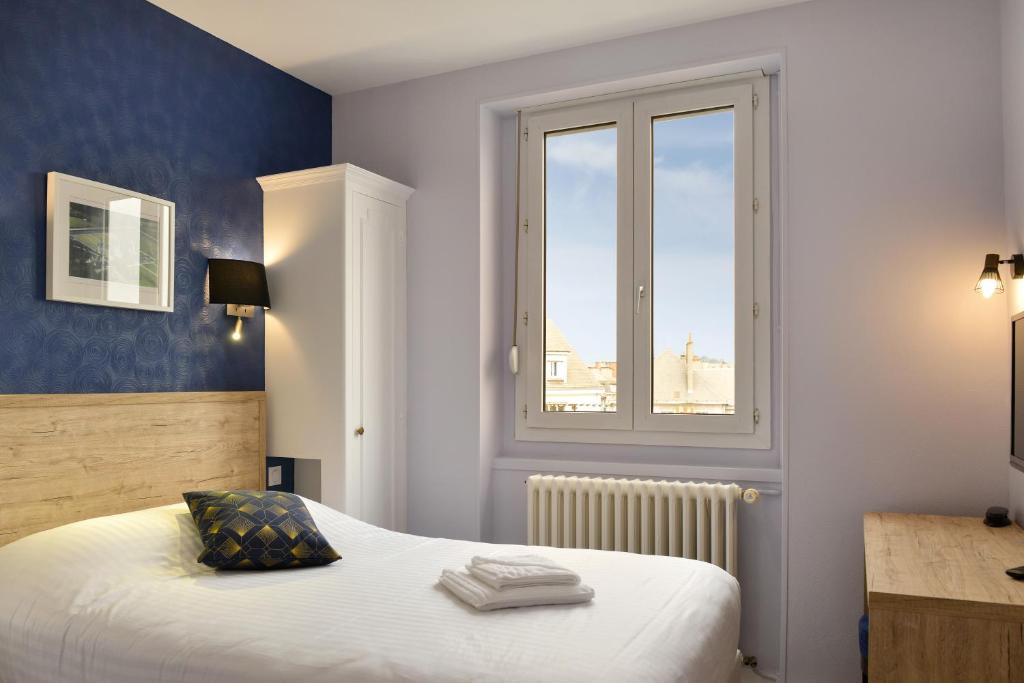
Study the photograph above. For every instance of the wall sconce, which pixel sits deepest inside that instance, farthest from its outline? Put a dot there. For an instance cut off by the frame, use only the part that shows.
(990, 283)
(242, 285)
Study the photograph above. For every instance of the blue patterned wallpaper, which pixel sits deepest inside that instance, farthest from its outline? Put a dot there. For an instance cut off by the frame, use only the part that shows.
(121, 92)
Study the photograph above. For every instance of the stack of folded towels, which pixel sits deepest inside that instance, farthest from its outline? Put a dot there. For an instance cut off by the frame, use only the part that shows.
(497, 581)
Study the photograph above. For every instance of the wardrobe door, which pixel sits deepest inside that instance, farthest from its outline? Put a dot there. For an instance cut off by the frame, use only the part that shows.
(376, 273)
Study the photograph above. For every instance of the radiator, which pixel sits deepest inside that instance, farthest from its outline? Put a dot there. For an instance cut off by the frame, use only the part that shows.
(680, 519)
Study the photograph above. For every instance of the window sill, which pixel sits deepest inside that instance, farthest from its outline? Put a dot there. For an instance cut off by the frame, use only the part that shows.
(760, 439)
(696, 472)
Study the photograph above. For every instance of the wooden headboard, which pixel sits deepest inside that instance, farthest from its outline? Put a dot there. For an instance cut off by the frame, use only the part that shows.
(67, 457)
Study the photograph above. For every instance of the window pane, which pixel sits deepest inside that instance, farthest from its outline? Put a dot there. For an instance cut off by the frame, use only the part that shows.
(580, 276)
(693, 325)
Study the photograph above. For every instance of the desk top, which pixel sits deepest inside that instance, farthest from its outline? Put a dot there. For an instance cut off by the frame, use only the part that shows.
(948, 565)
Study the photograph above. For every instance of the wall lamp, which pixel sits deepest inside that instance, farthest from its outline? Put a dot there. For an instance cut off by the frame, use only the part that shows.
(242, 285)
(990, 283)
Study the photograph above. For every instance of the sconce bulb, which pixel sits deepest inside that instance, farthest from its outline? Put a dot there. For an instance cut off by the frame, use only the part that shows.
(989, 282)
(237, 334)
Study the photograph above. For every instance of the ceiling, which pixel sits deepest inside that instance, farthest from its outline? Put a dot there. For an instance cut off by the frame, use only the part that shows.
(343, 45)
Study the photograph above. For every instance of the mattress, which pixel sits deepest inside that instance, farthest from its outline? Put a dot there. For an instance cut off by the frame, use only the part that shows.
(121, 599)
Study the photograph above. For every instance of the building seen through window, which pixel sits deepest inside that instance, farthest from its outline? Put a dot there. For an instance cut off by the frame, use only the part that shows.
(684, 382)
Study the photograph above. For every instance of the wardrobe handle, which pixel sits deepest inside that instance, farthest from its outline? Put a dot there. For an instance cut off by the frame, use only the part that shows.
(359, 431)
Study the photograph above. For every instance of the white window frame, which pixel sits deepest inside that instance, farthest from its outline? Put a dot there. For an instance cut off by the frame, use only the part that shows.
(635, 422)
(619, 113)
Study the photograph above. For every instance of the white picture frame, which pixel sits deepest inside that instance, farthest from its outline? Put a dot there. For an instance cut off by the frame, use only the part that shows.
(107, 246)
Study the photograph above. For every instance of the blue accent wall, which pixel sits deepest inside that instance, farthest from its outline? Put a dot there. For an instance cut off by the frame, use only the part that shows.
(121, 92)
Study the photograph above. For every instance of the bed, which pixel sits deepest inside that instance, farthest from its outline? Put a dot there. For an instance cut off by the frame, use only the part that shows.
(121, 598)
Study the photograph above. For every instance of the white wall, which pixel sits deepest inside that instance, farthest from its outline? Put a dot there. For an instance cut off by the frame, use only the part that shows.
(1013, 129)
(492, 369)
(894, 192)
(1013, 165)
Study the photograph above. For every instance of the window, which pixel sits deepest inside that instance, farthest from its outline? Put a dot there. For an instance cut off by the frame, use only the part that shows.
(644, 278)
(556, 367)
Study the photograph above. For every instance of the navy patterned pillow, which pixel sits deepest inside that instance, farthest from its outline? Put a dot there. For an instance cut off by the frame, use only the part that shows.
(257, 530)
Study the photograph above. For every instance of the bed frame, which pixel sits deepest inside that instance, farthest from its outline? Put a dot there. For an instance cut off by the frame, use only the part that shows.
(68, 457)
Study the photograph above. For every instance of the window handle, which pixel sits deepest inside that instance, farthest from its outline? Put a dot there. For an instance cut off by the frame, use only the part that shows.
(639, 295)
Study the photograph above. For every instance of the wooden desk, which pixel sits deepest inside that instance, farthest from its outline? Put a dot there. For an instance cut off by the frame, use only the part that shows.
(940, 606)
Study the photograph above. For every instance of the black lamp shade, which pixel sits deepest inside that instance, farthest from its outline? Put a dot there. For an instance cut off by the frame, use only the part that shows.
(238, 282)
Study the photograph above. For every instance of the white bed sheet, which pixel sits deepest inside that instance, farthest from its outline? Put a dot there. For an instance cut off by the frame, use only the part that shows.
(122, 600)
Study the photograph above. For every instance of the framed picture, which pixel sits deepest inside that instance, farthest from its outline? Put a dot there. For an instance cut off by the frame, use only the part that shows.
(107, 246)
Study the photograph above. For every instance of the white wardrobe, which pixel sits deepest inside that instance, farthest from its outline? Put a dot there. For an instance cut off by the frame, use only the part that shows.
(334, 247)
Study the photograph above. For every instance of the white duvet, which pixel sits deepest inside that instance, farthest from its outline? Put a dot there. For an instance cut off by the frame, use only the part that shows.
(122, 600)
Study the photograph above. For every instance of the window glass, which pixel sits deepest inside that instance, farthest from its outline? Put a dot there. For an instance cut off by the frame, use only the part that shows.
(693, 273)
(580, 270)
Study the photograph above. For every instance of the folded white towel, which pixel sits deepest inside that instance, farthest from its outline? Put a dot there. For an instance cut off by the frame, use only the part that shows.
(485, 598)
(515, 560)
(507, 571)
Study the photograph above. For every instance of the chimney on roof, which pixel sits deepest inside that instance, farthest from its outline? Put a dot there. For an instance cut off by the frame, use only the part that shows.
(689, 363)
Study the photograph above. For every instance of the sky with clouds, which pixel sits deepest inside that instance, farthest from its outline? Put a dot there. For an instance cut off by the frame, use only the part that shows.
(693, 236)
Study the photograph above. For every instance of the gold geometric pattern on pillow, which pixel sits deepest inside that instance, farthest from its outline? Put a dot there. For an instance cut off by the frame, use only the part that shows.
(290, 528)
(240, 525)
(257, 530)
